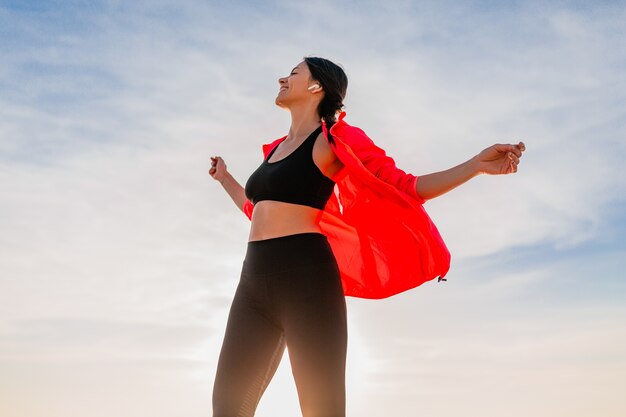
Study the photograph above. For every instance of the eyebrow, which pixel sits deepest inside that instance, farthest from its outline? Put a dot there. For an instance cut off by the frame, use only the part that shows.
(294, 68)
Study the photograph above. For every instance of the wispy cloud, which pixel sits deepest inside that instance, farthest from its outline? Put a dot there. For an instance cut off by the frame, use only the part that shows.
(119, 254)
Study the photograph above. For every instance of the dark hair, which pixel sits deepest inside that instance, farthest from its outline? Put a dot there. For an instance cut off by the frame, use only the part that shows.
(334, 82)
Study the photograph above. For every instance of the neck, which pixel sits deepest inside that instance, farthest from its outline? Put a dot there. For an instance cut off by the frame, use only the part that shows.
(304, 120)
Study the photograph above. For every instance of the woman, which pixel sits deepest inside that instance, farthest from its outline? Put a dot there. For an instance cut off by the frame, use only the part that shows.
(331, 216)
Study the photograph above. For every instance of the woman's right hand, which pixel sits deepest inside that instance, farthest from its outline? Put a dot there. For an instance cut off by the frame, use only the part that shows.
(218, 168)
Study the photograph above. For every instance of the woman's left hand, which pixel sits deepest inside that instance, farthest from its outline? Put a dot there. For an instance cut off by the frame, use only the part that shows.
(500, 158)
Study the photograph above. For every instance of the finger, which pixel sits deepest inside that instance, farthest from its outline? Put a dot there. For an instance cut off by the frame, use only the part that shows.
(514, 158)
(510, 167)
(516, 150)
(504, 148)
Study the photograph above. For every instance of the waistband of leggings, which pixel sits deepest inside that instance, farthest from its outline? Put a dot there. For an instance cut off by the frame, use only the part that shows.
(285, 252)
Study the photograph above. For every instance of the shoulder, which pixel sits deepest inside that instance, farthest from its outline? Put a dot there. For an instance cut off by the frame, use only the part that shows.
(352, 136)
(325, 158)
(345, 132)
(322, 150)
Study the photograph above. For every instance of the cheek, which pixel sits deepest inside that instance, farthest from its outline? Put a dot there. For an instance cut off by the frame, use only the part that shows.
(299, 81)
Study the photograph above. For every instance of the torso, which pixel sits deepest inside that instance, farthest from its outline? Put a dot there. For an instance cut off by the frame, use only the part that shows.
(276, 218)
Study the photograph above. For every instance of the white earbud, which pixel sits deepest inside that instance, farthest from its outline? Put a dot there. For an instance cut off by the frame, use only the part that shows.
(313, 86)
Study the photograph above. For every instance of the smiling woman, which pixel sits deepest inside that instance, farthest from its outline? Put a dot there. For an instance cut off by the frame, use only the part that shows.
(332, 216)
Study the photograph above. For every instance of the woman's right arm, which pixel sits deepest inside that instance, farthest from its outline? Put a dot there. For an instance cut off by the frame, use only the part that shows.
(219, 172)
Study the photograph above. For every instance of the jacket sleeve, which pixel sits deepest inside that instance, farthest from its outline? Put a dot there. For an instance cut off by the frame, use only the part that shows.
(383, 166)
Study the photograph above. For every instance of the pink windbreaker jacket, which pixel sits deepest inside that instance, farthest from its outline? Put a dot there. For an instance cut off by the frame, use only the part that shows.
(383, 239)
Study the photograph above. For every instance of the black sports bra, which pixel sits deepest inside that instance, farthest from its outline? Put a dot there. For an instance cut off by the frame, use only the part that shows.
(294, 179)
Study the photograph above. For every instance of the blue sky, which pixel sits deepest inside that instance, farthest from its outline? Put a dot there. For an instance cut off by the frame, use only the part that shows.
(119, 255)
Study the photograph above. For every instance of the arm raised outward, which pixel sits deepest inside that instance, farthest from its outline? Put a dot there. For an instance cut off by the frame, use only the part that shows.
(494, 160)
(219, 172)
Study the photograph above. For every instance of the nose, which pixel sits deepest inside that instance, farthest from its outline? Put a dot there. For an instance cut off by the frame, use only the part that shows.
(281, 81)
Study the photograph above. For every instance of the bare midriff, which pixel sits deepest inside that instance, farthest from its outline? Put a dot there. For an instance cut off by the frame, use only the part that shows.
(272, 219)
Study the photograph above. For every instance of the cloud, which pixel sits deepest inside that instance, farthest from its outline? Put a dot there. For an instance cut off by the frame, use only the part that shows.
(115, 240)
(60, 339)
(507, 330)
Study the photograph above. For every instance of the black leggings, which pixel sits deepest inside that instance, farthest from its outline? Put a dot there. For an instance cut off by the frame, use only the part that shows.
(289, 293)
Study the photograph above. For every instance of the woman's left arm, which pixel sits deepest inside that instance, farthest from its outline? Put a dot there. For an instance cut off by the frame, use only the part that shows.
(496, 159)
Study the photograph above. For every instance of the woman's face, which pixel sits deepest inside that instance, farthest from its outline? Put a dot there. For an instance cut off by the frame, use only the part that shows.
(294, 87)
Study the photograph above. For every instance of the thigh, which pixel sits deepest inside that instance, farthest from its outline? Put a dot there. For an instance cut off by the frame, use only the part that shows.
(251, 352)
(314, 318)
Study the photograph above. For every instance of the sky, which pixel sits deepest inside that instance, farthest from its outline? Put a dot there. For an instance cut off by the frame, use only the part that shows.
(120, 255)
